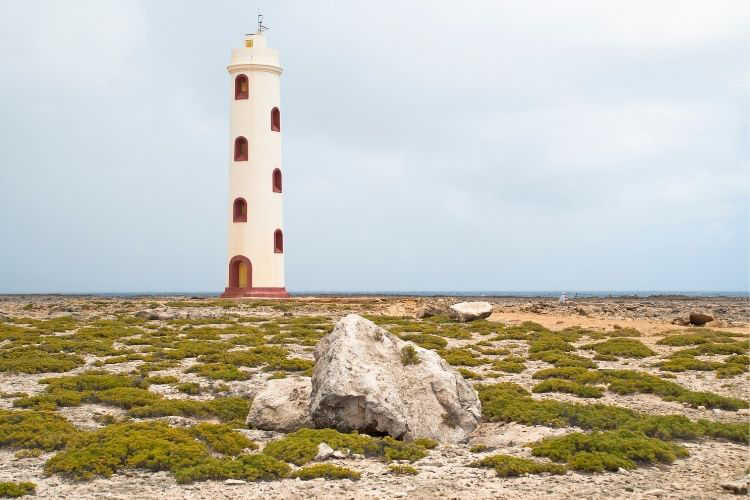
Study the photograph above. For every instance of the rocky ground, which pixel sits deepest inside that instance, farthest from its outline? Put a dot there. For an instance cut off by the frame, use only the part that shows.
(443, 473)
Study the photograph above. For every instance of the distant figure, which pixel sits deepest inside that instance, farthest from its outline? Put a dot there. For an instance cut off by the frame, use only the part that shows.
(563, 297)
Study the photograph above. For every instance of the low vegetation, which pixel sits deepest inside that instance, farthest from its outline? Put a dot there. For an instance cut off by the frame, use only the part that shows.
(300, 447)
(326, 471)
(155, 446)
(632, 382)
(509, 466)
(610, 450)
(409, 355)
(621, 347)
(14, 490)
(402, 470)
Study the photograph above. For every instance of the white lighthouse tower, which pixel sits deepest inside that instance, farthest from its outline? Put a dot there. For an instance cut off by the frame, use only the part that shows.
(255, 263)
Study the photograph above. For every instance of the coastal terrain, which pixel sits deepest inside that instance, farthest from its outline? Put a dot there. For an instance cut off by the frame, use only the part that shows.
(111, 397)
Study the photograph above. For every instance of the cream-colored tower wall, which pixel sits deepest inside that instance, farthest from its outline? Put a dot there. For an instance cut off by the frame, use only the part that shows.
(252, 179)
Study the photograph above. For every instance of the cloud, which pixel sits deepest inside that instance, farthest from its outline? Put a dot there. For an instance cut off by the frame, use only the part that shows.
(499, 145)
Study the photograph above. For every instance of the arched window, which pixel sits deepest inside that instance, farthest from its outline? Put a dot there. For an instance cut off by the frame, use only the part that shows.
(278, 241)
(276, 181)
(275, 120)
(239, 213)
(241, 87)
(240, 149)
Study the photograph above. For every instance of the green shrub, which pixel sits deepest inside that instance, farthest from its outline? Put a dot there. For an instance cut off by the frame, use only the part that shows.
(219, 371)
(426, 443)
(32, 453)
(468, 374)
(685, 363)
(623, 332)
(561, 359)
(34, 360)
(409, 355)
(507, 402)
(192, 388)
(608, 450)
(222, 439)
(624, 347)
(569, 387)
(402, 470)
(162, 379)
(13, 490)
(508, 466)
(254, 467)
(711, 349)
(126, 397)
(549, 343)
(510, 364)
(225, 409)
(730, 370)
(696, 336)
(155, 446)
(93, 381)
(327, 471)
(632, 382)
(300, 447)
(427, 341)
(32, 429)
(460, 356)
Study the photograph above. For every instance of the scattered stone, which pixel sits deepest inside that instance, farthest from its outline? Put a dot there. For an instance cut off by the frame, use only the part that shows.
(738, 487)
(700, 319)
(282, 405)
(655, 492)
(324, 452)
(235, 481)
(470, 311)
(359, 383)
(681, 322)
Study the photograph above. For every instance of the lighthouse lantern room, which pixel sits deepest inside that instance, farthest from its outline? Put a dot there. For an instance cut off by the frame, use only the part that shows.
(255, 261)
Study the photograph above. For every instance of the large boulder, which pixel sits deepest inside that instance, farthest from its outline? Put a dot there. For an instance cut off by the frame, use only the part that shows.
(282, 405)
(469, 311)
(369, 380)
(700, 319)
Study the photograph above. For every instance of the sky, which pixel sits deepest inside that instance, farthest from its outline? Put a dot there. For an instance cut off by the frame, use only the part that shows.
(427, 145)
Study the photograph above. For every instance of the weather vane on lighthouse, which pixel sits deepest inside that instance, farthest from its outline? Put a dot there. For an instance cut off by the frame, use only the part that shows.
(261, 28)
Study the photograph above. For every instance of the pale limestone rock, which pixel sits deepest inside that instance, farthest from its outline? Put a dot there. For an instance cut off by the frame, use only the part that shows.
(282, 405)
(324, 452)
(360, 383)
(469, 311)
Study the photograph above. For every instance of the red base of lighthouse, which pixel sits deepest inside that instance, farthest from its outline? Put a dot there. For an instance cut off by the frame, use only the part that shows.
(267, 293)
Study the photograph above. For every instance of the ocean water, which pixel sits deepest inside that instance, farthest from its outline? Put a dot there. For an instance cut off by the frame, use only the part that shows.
(454, 293)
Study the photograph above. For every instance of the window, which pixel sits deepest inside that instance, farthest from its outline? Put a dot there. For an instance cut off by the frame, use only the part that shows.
(276, 181)
(278, 241)
(239, 213)
(275, 120)
(241, 87)
(240, 149)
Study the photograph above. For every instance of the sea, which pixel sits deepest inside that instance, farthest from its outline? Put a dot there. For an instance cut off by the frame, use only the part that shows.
(447, 293)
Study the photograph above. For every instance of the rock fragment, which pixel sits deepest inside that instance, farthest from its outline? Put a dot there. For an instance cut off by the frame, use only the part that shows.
(282, 405)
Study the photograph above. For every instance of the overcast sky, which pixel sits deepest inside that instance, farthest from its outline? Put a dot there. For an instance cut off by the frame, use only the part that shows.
(524, 145)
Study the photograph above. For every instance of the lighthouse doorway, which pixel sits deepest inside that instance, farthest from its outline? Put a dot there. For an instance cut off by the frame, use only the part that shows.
(240, 272)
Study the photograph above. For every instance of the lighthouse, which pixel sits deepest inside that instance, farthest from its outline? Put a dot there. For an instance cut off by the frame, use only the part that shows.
(255, 261)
